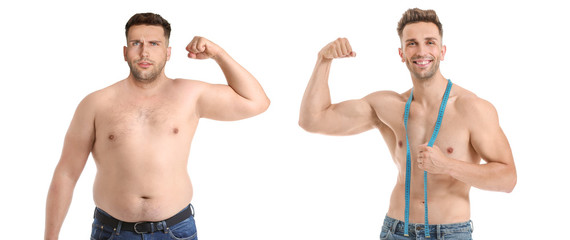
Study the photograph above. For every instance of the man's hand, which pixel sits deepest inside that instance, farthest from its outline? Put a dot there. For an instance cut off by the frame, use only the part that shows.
(339, 48)
(432, 160)
(202, 48)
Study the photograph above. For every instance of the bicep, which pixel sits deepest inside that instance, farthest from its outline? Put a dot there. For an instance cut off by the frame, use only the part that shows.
(347, 118)
(78, 141)
(487, 137)
(221, 102)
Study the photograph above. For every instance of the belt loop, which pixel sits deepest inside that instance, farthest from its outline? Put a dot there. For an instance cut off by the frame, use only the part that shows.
(438, 233)
(118, 230)
(472, 226)
(162, 226)
(394, 225)
(192, 209)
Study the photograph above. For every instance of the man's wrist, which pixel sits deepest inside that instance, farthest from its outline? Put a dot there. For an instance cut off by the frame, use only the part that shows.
(322, 59)
(220, 56)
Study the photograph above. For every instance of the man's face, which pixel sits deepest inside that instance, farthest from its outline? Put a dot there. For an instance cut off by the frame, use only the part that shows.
(421, 49)
(146, 52)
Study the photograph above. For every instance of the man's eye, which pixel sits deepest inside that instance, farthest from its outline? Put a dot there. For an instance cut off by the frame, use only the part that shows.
(411, 44)
(154, 44)
(136, 43)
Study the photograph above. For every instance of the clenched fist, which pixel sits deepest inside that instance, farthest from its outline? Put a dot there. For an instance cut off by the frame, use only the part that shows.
(202, 48)
(339, 48)
(432, 160)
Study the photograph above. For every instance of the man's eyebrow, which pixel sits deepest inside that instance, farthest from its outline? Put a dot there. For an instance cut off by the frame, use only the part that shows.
(153, 41)
(427, 38)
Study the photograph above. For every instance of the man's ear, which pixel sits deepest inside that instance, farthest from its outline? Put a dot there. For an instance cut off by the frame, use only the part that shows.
(168, 53)
(401, 53)
(125, 52)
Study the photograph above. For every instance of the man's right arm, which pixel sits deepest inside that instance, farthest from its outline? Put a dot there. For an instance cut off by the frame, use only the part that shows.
(76, 148)
(318, 114)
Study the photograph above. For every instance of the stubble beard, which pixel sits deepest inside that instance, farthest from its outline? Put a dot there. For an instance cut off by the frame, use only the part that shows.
(146, 77)
(425, 75)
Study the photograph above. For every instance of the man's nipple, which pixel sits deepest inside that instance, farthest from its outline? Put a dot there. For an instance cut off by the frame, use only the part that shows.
(111, 137)
(175, 130)
(450, 150)
(400, 144)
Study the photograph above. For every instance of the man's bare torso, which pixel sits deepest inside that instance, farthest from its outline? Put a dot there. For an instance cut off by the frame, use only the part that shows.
(141, 149)
(448, 198)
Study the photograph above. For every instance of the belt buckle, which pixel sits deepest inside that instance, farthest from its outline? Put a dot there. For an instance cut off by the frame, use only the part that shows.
(136, 230)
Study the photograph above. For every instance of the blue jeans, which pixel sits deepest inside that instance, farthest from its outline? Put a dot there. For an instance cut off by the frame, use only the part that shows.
(185, 230)
(393, 229)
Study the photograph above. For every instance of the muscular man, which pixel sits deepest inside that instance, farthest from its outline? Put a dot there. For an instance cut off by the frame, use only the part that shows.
(469, 131)
(139, 131)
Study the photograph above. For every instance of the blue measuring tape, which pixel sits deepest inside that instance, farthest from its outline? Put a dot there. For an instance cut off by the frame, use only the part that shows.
(409, 158)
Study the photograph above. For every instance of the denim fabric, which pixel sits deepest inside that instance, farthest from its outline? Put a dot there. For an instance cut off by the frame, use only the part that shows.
(393, 229)
(185, 230)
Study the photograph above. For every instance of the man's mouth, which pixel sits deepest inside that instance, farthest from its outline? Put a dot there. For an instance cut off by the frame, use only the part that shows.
(144, 64)
(422, 62)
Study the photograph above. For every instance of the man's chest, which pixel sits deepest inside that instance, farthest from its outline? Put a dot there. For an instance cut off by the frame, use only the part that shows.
(452, 137)
(131, 119)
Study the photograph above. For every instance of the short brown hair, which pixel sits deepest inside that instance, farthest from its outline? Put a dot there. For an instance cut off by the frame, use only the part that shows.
(148, 19)
(414, 15)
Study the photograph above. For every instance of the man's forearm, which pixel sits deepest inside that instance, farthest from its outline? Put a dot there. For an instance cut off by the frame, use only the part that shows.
(240, 80)
(317, 95)
(492, 176)
(57, 205)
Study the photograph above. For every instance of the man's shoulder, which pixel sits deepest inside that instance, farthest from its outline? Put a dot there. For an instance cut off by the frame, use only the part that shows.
(92, 100)
(104, 92)
(188, 81)
(387, 96)
(181, 83)
(470, 104)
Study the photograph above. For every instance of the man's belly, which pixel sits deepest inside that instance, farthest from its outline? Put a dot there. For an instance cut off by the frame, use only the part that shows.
(446, 204)
(142, 192)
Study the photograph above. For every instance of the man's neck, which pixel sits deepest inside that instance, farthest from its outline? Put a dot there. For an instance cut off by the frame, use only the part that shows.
(428, 92)
(146, 86)
(146, 89)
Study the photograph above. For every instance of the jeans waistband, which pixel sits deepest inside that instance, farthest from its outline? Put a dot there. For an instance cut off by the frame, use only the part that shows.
(143, 227)
(415, 229)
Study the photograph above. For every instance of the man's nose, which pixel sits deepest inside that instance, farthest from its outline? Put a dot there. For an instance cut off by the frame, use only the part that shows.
(422, 50)
(144, 50)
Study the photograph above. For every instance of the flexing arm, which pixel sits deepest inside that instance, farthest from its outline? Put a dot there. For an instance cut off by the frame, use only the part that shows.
(318, 114)
(488, 139)
(243, 97)
(76, 148)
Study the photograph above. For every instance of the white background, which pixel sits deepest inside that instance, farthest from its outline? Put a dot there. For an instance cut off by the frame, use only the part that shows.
(264, 177)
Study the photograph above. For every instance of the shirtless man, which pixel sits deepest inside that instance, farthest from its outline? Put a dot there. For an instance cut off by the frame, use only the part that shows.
(139, 131)
(469, 132)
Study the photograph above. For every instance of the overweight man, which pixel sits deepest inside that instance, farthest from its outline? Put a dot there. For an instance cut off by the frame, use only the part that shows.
(437, 133)
(139, 131)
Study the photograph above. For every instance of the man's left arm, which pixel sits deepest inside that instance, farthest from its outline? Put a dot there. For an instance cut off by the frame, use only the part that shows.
(489, 141)
(243, 97)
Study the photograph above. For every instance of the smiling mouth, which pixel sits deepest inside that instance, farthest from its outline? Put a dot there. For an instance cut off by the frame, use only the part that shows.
(422, 63)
